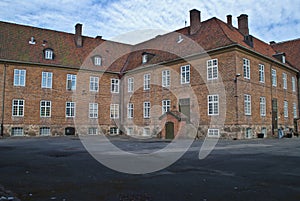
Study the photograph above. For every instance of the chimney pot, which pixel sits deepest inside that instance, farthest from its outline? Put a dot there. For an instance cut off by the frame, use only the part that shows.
(243, 24)
(195, 21)
(78, 35)
(229, 20)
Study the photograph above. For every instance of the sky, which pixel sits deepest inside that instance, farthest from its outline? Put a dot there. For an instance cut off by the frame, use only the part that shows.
(269, 20)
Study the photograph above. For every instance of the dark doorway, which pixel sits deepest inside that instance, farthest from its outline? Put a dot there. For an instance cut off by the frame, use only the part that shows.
(274, 115)
(184, 107)
(169, 130)
(70, 131)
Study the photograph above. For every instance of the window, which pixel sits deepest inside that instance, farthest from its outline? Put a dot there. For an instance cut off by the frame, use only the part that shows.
(45, 108)
(246, 67)
(47, 80)
(130, 82)
(213, 104)
(146, 132)
(286, 109)
(262, 103)
(146, 81)
(144, 58)
(247, 104)
(261, 73)
(185, 74)
(114, 111)
(93, 110)
(45, 131)
(94, 84)
(248, 133)
(146, 109)
(213, 133)
(97, 61)
(49, 54)
(71, 82)
(17, 131)
(130, 131)
(274, 78)
(166, 79)
(166, 105)
(18, 108)
(93, 131)
(113, 131)
(295, 110)
(70, 109)
(130, 110)
(114, 87)
(284, 80)
(19, 77)
(293, 84)
(212, 69)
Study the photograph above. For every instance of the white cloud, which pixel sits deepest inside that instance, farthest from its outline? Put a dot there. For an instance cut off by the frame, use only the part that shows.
(268, 20)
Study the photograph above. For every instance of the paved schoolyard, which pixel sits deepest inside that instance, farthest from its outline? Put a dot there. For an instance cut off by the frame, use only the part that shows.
(59, 168)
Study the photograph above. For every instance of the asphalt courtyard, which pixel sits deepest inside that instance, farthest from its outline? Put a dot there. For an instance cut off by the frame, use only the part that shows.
(59, 168)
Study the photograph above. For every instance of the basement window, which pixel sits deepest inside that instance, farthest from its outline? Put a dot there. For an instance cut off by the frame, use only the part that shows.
(113, 131)
(49, 54)
(17, 131)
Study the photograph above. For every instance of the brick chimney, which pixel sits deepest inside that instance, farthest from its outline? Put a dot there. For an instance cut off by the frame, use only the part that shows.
(243, 24)
(229, 20)
(78, 35)
(195, 21)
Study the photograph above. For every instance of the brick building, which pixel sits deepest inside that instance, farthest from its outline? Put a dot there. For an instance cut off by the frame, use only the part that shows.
(216, 77)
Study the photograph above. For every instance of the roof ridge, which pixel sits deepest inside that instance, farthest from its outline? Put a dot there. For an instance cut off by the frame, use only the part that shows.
(287, 41)
(218, 21)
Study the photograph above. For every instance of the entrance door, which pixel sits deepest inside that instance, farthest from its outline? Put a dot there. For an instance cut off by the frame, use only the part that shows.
(184, 107)
(169, 130)
(274, 115)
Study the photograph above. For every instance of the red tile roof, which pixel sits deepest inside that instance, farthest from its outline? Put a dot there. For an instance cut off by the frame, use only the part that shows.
(291, 49)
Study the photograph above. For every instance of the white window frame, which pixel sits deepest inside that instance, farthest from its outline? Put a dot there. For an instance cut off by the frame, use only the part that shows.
(285, 109)
(165, 78)
(248, 133)
(19, 104)
(97, 61)
(212, 69)
(49, 54)
(114, 131)
(19, 77)
(284, 80)
(274, 78)
(247, 104)
(45, 131)
(130, 84)
(147, 79)
(144, 58)
(45, 108)
(114, 85)
(71, 78)
(213, 132)
(185, 74)
(70, 109)
(129, 131)
(17, 131)
(94, 83)
(261, 69)
(114, 111)
(262, 104)
(166, 106)
(130, 109)
(47, 80)
(92, 131)
(246, 68)
(146, 109)
(146, 132)
(293, 84)
(213, 105)
(295, 110)
(93, 110)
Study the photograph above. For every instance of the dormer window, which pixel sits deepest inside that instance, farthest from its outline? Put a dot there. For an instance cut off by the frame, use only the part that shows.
(144, 58)
(283, 59)
(32, 41)
(97, 61)
(49, 54)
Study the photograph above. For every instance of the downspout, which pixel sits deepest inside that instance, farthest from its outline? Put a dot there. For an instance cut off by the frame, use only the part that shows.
(3, 99)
